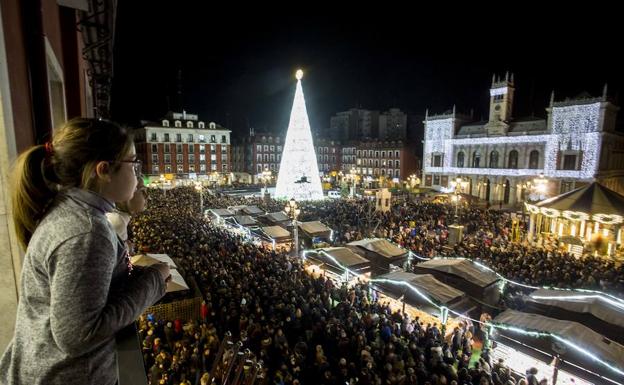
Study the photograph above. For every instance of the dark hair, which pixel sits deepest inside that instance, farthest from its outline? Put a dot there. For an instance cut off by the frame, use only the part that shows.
(69, 161)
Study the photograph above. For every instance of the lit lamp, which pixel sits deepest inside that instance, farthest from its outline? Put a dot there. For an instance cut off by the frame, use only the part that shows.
(162, 183)
(293, 211)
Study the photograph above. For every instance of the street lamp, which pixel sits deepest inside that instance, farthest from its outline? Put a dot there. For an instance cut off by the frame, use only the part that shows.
(199, 188)
(293, 211)
(266, 177)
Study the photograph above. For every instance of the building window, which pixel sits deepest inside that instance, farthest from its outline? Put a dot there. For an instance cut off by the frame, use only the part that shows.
(223, 139)
(202, 125)
(168, 168)
(165, 123)
(167, 148)
(179, 158)
(202, 139)
(191, 168)
(167, 158)
(569, 162)
(166, 137)
(266, 148)
(178, 148)
(154, 137)
(190, 138)
(534, 159)
(272, 148)
(180, 168)
(383, 154)
(191, 158)
(272, 157)
(202, 168)
(436, 180)
(396, 154)
(259, 158)
(178, 123)
(202, 149)
(494, 159)
(202, 158)
(460, 159)
(178, 137)
(191, 149)
(376, 154)
(213, 139)
(476, 159)
(154, 148)
(154, 158)
(223, 149)
(155, 169)
(437, 161)
(513, 159)
(213, 148)
(189, 124)
(258, 148)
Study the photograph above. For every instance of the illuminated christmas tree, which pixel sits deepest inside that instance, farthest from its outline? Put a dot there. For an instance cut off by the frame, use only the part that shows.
(298, 174)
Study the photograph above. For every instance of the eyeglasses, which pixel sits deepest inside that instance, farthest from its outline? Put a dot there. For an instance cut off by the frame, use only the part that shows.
(136, 165)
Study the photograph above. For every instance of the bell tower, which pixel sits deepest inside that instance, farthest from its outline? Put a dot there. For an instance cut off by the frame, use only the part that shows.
(501, 104)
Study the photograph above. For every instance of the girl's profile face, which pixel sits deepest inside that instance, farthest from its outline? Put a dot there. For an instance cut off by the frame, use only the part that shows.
(123, 181)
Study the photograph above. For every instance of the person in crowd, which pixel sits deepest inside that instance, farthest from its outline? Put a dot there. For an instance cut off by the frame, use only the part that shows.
(76, 291)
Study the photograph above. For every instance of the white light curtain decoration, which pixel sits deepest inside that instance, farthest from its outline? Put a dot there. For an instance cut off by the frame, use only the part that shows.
(569, 125)
(298, 176)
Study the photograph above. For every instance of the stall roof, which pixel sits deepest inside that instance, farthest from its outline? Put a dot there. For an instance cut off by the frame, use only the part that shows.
(278, 216)
(599, 308)
(252, 210)
(436, 290)
(591, 199)
(380, 246)
(345, 256)
(276, 232)
(314, 228)
(462, 268)
(245, 220)
(222, 212)
(583, 336)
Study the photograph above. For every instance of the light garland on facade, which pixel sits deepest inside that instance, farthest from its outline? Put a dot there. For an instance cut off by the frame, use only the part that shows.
(550, 213)
(498, 91)
(574, 127)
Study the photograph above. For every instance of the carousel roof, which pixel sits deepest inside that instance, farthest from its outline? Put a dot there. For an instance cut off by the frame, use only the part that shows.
(591, 199)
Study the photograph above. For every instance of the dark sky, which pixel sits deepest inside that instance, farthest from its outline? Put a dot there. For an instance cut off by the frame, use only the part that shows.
(238, 67)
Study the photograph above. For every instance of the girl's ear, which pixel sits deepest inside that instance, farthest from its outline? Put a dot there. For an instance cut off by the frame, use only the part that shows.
(103, 171)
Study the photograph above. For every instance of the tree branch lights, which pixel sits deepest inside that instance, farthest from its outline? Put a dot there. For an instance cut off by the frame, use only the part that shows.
(298, 177)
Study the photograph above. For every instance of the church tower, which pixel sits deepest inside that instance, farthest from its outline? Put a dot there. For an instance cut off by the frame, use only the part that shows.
(501, 104)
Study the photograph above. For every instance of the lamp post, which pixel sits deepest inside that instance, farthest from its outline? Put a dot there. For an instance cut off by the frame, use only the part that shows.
(458, 184)
(199, 188)
(293, 211)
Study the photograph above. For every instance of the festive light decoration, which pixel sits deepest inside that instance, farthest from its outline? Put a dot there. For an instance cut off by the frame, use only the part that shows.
(498, 91)
(585, 352)
(532, 208)
(444, 314)
(575, 215)
(618, 304)
(608, 219)
(575, 128)
(298, 177)
(550, 213)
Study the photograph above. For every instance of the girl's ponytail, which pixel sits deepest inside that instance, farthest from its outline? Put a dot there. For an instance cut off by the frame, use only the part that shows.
(33, 191)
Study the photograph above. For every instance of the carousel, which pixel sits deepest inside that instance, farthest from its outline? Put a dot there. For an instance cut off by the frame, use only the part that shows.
(586, 220)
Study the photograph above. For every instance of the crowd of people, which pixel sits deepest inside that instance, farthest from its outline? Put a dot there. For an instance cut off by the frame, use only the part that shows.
(422, 227)
(306, 329)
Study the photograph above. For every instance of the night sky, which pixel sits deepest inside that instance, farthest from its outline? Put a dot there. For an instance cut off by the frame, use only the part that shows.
(238, 70)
